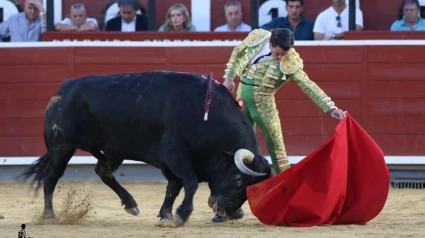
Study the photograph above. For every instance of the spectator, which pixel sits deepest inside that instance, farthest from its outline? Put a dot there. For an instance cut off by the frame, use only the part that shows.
(233, 12)
(301, 27)
(411, 20)
(177, 19)
(78, 20)
(333, 22)
(128, 21)
(26, 26)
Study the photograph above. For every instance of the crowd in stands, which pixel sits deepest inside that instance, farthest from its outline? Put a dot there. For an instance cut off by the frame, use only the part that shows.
(330, 24)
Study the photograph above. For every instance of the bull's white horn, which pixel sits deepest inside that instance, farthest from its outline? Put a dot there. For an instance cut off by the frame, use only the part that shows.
(242, 157)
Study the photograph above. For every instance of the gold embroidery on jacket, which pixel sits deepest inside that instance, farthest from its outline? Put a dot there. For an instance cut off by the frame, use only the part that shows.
(256, 37)
(266, 107)
(312, 90)
(244, 52)
(291, 62)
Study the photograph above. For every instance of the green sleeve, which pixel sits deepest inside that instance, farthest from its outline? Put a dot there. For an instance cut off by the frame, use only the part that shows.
(312, 90)
(233, 63)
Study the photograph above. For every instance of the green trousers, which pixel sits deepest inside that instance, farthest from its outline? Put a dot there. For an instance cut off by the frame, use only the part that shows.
(261, 110)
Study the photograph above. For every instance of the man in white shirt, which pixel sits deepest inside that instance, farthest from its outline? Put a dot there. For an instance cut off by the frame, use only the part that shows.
(233, 12)
(78, 20)
(333, 22)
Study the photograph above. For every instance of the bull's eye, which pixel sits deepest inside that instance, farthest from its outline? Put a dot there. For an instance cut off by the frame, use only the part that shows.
(238, 183)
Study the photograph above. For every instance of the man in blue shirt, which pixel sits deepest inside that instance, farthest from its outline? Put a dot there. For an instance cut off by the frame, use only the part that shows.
(26, 26)
(301, 27)
(411, 20)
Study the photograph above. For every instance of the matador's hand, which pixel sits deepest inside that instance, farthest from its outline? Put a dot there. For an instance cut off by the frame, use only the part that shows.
(229, 84)
(337, 113)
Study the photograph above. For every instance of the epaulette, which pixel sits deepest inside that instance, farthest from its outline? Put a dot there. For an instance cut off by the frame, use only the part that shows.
(257, 36)
(291, 62)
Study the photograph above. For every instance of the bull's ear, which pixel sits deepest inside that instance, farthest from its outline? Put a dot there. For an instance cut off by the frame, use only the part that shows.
(228, 154)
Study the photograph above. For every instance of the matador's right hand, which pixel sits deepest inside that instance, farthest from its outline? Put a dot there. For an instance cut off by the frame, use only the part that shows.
(337, 113)
(230, 84)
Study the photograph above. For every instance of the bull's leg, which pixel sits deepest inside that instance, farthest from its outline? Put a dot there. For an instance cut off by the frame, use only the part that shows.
(55, 169)
(177, 160)
(190, 184)
(174, 187)
(106, 171)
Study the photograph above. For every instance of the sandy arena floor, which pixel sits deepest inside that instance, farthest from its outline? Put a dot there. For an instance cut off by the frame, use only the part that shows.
(403, 215)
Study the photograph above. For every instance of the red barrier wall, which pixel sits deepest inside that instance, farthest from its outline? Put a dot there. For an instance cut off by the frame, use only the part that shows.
(362, 35)
(380, 86)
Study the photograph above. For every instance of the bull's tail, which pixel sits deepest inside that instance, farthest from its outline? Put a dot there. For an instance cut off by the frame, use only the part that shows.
(39, 168)
(209, 95)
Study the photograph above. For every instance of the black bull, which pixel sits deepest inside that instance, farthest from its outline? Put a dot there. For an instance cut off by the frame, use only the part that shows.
(158, 118)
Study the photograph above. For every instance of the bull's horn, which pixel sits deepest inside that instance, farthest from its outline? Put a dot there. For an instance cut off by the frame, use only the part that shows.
(242, 157)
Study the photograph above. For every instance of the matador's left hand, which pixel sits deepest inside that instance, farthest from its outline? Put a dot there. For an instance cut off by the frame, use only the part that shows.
(337, 113)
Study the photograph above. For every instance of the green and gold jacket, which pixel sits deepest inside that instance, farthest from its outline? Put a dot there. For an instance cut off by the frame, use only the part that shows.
(270, 75)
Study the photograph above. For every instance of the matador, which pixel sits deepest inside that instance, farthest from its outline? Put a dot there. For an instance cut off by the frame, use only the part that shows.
(265, 61)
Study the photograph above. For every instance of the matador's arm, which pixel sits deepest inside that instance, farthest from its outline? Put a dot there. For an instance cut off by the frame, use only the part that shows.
(292, 66)
(313, 91)
(233, 63)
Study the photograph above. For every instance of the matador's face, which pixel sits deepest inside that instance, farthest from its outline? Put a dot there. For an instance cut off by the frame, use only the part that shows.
(277, 52)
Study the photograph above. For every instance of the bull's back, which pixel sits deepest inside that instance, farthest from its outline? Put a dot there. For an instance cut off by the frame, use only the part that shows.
(146, 95)
(126, 112)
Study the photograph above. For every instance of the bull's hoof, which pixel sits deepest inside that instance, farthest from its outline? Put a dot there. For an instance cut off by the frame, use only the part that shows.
(239, 214)
(48, 215)
(133, 211)
(165, 222)
(218, 218)
(178, 221)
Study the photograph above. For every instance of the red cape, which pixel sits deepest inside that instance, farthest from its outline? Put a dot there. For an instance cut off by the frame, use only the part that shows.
(345, 181)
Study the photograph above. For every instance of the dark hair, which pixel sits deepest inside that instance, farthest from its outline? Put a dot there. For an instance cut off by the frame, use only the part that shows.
(401, 10)
(136, 5)
(283, 38)
(301, 1)
(128, 3)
